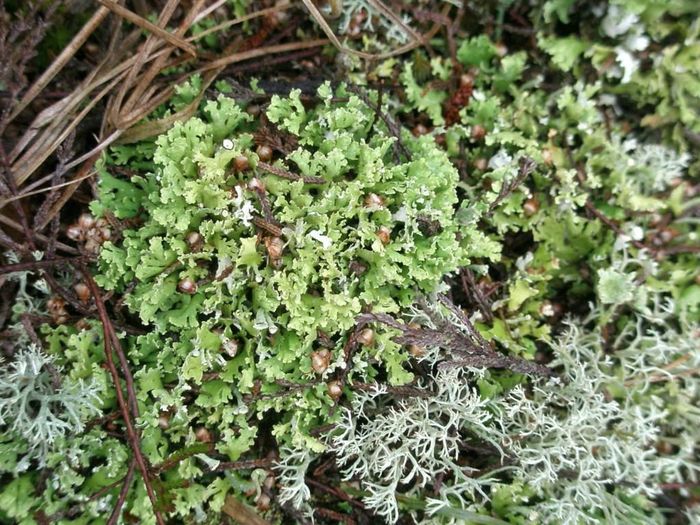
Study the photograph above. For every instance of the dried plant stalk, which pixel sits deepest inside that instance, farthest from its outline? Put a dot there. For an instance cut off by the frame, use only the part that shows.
(149, 26)
(59, 63)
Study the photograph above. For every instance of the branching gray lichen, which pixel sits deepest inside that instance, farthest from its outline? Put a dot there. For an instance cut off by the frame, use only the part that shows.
(569, 439)
(40, 407)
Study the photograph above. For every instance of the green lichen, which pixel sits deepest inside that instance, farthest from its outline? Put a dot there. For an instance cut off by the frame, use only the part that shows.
(333, 264)
(368, 225)
(233, 282)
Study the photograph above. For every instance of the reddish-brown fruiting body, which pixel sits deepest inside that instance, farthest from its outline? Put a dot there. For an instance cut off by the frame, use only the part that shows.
(531, 206)
(187, 285)
(366, 337)
(335, 390)
(320, 360)
(264, 153)
(384, 235)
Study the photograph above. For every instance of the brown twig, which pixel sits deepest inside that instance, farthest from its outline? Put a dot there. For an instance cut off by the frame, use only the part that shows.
(340, 494)
(291, 58)
(111, 343)
(33, 265)
(285, 174)
(73, 510)
(467, 345)
(149, 26)
(260, 52)
(267, 226)
(121, 499)
(334, 515)
(671, 250)
(527, 166)
(177, 457)
(397, 391)
(279, 7)
(613, 226)
(678, 486)
(393, 127)
(38, 237)
(243, 464)
(350, 347)
(85, 171)
(59, 63)
(472, 290)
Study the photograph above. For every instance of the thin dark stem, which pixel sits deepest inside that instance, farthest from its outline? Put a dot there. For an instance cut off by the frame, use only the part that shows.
(286, 174)
(393, 127)
(31, 265)
(111, 343)
(527, 166)
(116, 511)
(243, 464)
(474, 292)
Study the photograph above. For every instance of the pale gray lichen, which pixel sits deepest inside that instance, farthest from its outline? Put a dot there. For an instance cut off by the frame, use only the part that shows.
(413, 440)
(38, 406)
(291, 470)
(584, 442)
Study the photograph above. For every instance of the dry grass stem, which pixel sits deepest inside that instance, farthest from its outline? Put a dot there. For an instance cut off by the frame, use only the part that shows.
(60, 62)
(148, 26)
